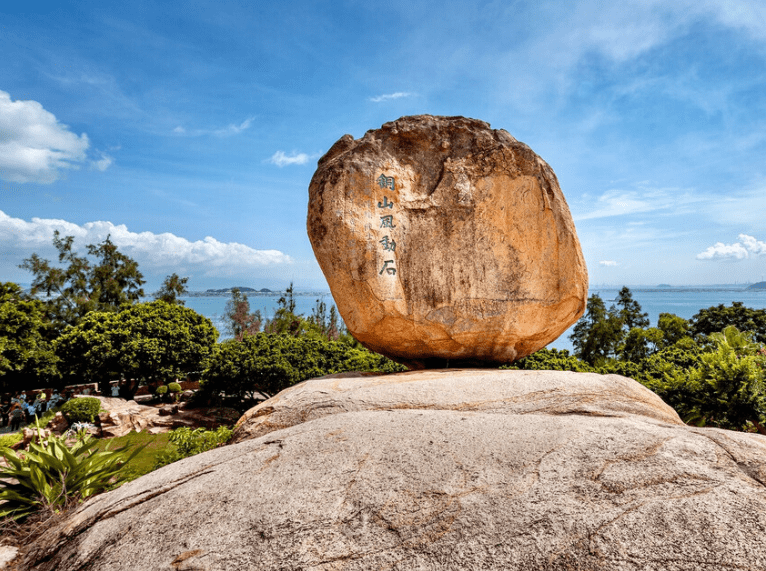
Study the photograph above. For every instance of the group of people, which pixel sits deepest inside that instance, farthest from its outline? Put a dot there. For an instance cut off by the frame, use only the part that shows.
(21, 409)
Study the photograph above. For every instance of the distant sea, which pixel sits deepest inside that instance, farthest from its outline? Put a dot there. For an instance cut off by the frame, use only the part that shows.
(213, 307)
(684, 301)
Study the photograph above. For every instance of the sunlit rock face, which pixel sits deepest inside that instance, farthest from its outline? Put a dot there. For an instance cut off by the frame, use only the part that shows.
(446, 242)
(451, 469)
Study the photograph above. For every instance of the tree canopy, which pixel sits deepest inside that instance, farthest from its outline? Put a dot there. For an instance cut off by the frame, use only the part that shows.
(26, 356)
(239, 320)
(268, 363)
(172, 289)
(715, 319)
(148, 342)
(81, 286)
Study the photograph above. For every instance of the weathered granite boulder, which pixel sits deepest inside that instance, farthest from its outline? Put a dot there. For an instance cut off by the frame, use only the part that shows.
(477, 390)
(565, 472)
(443, 240)
(58, 424)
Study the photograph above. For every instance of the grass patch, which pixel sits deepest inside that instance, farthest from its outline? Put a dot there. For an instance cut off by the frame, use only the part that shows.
(144, 462)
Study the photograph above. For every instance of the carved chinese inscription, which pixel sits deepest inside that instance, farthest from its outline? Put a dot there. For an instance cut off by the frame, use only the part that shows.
(387, 223)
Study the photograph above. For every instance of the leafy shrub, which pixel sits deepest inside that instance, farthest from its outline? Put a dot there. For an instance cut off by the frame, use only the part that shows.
(8, 440)
(162, 390)
(551, 360)
(82, 409)
(174, 388)
(265, 364)
(52, 474)
(189, 442)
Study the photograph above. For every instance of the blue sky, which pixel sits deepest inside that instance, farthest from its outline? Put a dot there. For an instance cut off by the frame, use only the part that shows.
(189, 131)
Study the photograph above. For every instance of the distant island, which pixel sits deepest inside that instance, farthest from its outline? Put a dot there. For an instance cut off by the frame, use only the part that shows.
(252, 292)
(240, 288)
(664, 286)
(759, 285)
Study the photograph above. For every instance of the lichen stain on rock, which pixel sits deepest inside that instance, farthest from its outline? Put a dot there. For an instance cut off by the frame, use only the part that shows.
(478, 247)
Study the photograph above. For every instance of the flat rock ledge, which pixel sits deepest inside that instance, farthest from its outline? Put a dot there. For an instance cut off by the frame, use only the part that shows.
(533, 471)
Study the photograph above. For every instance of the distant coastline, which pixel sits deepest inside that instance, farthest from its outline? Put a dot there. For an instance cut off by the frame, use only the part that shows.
(251, 292)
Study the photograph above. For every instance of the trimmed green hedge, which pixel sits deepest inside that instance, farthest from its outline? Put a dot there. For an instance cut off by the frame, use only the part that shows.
(83, 409)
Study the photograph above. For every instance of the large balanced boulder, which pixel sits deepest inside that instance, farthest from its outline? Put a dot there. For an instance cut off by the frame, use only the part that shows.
(558, 471)
(445, 241)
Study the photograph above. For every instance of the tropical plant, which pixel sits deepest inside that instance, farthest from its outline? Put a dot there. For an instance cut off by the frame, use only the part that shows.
(52, 473)
(189, 442)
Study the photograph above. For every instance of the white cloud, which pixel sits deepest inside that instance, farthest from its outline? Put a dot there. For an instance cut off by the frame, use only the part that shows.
(608, 263)
(227, 131)
(754, 246)
(747, 247)
(103, 163)
(389, 96)
(34, 146)
(234, 129)
(281, 159)
(645, 198)
(156, 251)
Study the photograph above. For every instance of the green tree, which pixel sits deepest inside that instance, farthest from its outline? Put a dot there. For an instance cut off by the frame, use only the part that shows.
(145, 343)
(717, 318)
(597, 335)
(640, 343)
(90, 351)
(630, 311)
(239, 320)
(673, 328)
(327, 322)
(80, 286)
(285, 320)
(27, 359)
(267, 363)
(172, 289)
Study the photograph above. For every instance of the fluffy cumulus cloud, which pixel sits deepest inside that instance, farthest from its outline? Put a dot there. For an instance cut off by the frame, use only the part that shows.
(747, 247)
(281, 159)
(34, 146)
(608, 263)
(389, 96)
(166, 252)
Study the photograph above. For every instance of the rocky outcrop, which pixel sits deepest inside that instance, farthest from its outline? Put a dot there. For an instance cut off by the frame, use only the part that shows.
(121, 417)
(484, 390)
(445, 241)
(584, 473)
